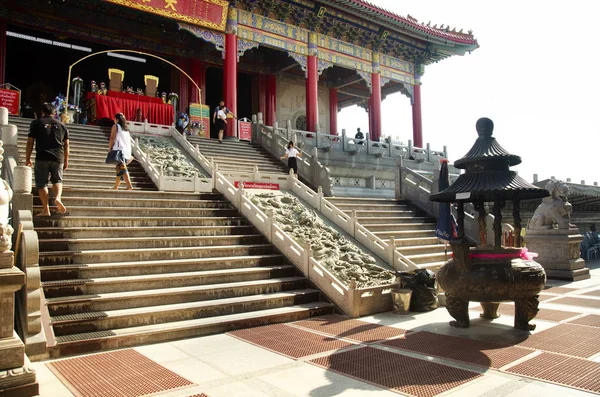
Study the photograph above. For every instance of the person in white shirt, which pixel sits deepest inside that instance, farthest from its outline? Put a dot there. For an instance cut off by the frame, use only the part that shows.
(291, 153)
(221, 121)
(121, 140)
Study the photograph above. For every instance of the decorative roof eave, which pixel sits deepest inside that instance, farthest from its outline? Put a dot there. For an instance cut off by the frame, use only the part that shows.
(411, 25)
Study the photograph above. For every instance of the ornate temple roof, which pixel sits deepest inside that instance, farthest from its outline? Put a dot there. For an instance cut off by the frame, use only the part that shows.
(488, 176)
(443, 35)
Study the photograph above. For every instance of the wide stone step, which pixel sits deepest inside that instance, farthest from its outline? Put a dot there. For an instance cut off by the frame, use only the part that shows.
(367, 221)
(258, 158)
(110, 255)
(120, 269)
(133, 336)
(245, 168)
(123, 194)
(369, 201)
(374, 207)
(402, 234)
(134, 221)
(138, 185)
(428, 258)
(382, 214)
(146, 242)
(124, 318)
(423, 249)
(147, 211)
(398, 226)
(58, 288)
(148, 231)
(135, 203)
(166, 296)
(405, 242)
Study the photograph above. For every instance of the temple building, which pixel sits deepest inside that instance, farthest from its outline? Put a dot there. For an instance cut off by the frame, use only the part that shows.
(298, 60)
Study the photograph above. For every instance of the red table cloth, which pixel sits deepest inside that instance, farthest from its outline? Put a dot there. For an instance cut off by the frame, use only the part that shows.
(134, 97)
(108, 107)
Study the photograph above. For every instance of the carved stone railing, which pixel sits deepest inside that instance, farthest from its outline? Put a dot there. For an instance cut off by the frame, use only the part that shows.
(192, 150)
(351, 300)
(195, 183)
(309, 167)
(26, 248)
(136, 127)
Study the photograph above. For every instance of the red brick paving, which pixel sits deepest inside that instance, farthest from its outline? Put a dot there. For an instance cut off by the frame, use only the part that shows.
(544, 314)
(470, 351)
(356, 330)
(556, 368)
(582, 302)
(289, 341)
(558, 290)
(592, 293)
(591, 320)
(396, 372)
(120, 373)
(571, 339)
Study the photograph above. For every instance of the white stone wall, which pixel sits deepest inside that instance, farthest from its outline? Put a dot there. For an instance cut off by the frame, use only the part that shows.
(291, 103)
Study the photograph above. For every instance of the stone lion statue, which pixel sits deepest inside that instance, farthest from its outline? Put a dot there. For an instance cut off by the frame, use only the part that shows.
(555, 211)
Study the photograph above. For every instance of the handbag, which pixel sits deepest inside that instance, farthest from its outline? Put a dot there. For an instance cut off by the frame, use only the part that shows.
(115, 157)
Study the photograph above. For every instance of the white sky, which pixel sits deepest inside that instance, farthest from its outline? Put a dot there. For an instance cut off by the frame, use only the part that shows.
(535, 75)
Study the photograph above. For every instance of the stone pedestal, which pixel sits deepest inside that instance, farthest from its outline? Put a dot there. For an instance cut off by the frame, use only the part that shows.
(558, 251)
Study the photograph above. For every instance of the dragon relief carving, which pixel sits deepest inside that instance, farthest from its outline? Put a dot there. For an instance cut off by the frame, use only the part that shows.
(555, 211)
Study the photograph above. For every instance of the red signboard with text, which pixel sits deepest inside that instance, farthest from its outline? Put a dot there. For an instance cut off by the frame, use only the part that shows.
(10, 99)
(258, 185)
(245, 130)
(208, 13)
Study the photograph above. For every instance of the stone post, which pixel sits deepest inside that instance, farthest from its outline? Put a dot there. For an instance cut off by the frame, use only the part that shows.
(398, 178)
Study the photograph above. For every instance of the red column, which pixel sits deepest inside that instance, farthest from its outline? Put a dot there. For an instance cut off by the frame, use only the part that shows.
(2, 50)
(312, 109)
(184, 85)
(416, 114)
(198, 74)
(271, 100)
(333, 111)
(230, 75)
(376, 106)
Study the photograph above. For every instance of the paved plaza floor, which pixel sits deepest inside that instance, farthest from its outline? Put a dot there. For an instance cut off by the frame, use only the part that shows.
(387, 354)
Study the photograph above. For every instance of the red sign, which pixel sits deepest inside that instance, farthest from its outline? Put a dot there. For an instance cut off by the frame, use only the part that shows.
(258, 185)
(10, 99)
(208, 13)
(245, 130)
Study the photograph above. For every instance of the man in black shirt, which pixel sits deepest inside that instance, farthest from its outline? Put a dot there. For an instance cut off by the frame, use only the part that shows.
(51, 139)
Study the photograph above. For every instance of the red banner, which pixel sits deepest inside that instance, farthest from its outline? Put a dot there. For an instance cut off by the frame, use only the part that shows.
(257, 185)
(245, 130)
(10, 99)
(209, 13)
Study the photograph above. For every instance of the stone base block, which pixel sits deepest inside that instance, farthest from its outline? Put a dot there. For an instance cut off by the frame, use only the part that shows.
(12, 352)
(19, 382)
(569, 275)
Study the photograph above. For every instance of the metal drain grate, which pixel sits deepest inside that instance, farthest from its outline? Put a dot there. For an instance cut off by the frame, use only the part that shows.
(396, 372)
(544, 314)
(581, 302)
(569, 371)
(558, 290)
(121, 373)
(289, 341)
(485, 354)
(591, 320)
(571, 339)
(595, 292)
(356, 330)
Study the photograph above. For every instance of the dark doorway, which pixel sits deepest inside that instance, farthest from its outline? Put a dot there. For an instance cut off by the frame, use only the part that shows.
(214, 93)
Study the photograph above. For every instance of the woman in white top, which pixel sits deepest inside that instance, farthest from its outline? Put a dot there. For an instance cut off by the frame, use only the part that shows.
(221, 122)
(291, 153)
(121, 140)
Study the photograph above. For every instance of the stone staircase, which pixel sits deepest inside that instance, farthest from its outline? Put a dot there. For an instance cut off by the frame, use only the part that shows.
(232, 155)
(125, 268)
(413, 232)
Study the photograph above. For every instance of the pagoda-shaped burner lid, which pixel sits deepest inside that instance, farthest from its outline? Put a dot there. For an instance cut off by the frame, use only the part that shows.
(487, 176)
(486, 148)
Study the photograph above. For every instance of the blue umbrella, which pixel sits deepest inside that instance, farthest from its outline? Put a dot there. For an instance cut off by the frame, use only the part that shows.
(445, 229)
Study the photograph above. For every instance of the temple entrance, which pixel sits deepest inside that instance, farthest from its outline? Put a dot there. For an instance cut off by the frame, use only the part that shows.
(46, 78)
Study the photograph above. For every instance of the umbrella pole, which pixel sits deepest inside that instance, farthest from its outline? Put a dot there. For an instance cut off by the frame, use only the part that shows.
(446, 251)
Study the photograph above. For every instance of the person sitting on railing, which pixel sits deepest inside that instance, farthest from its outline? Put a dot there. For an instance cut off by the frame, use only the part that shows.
(291, 153)
(359, 135)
